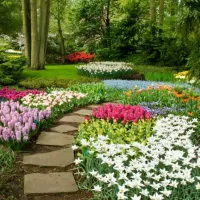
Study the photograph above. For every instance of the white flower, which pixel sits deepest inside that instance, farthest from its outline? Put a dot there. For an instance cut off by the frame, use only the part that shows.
(121, 196)
(97, 188)
(74, 147)
(156, 196)
(122, 189)
(136, 197)
(144, 192)
(198, 186)
(78, 161)
(166, 192)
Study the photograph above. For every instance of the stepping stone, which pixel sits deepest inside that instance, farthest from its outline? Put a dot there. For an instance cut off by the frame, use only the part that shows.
(49, 183)
(54, 139)
(64, 128)
(72, 118)
(93, 106)
(83, 112)
(61, 158)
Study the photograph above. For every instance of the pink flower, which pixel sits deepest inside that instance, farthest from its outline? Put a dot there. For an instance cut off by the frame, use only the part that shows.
(120, 112)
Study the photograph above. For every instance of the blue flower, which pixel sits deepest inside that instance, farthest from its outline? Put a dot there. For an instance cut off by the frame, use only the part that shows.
(128, 85)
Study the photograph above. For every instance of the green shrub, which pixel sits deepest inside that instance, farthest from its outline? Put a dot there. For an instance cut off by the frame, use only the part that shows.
(41, 83)
(10, 69)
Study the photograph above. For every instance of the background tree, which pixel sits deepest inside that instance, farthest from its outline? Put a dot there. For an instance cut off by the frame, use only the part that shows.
(36, 31)
(58, 12)
(10, 18)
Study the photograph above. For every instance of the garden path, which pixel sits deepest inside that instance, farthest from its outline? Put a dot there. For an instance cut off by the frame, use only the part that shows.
(54, 167)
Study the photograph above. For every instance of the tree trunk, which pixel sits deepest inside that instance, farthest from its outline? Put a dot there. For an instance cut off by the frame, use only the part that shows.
(62, 42)
(152, 11)
(108, 24)
(174, 8)
(43, 31)
(27, 29)
(161, 12)
(34, 36)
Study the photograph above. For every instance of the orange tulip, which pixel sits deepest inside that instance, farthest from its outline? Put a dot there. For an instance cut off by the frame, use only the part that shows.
(185, 100)
(190, 113)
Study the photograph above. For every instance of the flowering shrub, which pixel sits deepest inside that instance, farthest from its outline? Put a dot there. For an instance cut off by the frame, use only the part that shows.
(18, 123)
(80, 57)
(50, 100)
(105, 70)
(119, 112)
(167, 167)
(13, 94)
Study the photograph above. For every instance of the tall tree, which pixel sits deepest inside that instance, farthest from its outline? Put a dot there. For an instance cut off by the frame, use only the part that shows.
(58, 11)
(27, 29)
(152, 11)
(35, 31)
(161, 12)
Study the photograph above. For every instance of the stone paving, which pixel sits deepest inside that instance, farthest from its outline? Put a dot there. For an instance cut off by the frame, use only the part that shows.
(58, 182)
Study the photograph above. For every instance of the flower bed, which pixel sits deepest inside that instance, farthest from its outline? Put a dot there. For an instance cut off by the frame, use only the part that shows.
(119, 112)
(18, 123)
(52, 99)
(167, 98)
(128, 85)
(166, 167)
(105, 70)
(13, 94)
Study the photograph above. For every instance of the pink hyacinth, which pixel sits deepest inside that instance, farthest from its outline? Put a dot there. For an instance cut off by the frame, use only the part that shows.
(17, 122)
(120, 112)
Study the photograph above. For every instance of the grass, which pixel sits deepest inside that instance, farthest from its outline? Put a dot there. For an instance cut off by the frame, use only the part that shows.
(152, 73)
(158, 76)
(53, 71)
(155, 73)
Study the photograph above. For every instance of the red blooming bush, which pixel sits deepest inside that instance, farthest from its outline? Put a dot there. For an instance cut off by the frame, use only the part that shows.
(13, 94)
(120, 112)
(80, 57)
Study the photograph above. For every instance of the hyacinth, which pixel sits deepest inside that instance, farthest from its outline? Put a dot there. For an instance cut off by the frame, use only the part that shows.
(120, 112)
(49, 100)
(13, 94)
(17, 121)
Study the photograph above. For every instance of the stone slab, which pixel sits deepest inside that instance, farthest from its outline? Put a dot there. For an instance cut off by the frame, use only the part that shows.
(61, 158)
(51, 183)
(64, 128)
(93, 106)
(72, 119)
(54, 139)
(83, 112)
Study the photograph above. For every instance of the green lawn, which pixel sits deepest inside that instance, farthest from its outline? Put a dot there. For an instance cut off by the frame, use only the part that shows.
(53, 71)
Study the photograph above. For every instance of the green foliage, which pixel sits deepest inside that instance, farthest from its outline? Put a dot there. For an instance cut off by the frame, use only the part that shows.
(96, 92)
(7, 158)
(117, 132)
(10, 18)
(158, 76)
(10, 69)
(41, 83)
